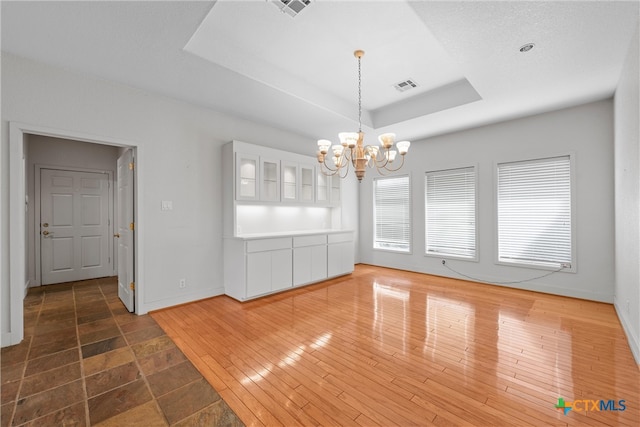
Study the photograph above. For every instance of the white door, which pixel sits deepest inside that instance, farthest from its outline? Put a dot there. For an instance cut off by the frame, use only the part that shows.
(125, 226)
(74, 227)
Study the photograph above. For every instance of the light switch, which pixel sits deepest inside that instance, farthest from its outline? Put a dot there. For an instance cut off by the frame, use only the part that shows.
(167, 205)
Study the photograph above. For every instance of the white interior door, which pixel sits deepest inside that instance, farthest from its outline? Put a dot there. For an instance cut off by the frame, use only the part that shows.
(125, 227)
(74, 227)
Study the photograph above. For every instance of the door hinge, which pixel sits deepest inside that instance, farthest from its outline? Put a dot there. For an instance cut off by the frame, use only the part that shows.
(132, 166)
(132, 286)
(131, 226)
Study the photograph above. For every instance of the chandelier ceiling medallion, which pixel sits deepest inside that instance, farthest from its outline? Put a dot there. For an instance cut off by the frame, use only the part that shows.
(352, 150)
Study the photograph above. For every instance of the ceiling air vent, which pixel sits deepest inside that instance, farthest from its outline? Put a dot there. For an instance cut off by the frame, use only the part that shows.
(405, 85)
(291, 7)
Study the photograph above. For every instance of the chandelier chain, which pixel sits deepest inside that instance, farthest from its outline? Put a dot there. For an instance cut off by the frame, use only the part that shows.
(359, 96)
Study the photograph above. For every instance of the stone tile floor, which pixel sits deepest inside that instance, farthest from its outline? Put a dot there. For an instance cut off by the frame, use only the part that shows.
(86, 361)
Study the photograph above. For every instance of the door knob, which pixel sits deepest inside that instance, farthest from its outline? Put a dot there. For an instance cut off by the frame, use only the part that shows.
(117, 235)
(46, 224)
(46, 232)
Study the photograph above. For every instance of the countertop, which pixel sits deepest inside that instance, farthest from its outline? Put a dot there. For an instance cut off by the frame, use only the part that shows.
(252, 236)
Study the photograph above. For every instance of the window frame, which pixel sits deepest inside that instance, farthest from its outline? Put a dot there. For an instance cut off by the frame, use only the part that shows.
(409, 250)
(476, 256)
(573, 205)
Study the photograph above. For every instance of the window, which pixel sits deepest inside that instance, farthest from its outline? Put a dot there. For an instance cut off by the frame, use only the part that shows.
(534, 212)
(450, 212)
(392, 214)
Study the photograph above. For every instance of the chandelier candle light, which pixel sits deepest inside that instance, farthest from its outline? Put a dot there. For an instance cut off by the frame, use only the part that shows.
(352, 150)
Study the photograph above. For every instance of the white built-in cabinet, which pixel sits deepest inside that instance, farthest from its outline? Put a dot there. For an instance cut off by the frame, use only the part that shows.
(290, 181)
(260, 266)
(307, 193)
(247, 175)
(322, 187)
(269, 180)
(309, 259)
(269, 265)
(335, 189)
(264, 179)
(340, 257)
(273, 241)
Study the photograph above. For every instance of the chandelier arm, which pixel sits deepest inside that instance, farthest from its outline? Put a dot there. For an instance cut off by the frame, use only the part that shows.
(385, 167)
(381, 163)
(346, 170)
(324, 166)
(324, 169)
(342, 163)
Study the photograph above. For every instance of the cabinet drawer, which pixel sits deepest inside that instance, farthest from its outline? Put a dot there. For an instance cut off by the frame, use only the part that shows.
(299, 241)
(340, 237)
(268, 244)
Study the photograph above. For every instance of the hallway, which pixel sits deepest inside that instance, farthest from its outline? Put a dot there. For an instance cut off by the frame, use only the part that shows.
(86, 361)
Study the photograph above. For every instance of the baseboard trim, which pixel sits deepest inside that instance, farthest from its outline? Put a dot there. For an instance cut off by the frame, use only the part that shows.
(495, 281)
(182, 299)
(632, 339)
(10, 338)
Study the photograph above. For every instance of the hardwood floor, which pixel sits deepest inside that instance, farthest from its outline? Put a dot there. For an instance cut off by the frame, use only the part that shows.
(388, 347)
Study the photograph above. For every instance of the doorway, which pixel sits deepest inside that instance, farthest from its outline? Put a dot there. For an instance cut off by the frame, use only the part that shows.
(20, 204)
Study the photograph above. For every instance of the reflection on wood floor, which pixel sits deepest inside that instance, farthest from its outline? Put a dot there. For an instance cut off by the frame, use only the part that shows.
(388, 347)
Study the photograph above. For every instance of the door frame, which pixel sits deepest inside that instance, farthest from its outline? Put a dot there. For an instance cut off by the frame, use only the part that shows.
(17, 223)
(37, 213)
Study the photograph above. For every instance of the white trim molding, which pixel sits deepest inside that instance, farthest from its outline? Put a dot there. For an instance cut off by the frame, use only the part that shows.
(17, 235)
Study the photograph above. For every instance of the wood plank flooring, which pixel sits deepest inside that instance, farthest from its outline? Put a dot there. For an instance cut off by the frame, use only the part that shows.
(388, 347)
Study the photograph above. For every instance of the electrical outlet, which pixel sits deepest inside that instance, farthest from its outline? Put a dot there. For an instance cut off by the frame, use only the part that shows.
(443, 262)
(183, 283)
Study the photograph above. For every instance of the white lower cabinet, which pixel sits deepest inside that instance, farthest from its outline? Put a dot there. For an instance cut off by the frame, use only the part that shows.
(258, 273)
(268, 271)
(281, 266)
(260, 266)
(269, 265)
(309, 259)
(340, 254)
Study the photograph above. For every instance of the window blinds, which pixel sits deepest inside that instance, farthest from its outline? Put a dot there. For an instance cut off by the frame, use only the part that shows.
(392, 213)
(450, 212)
(534, 211)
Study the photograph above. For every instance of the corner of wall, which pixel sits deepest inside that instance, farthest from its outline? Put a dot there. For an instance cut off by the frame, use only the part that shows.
(625, 321)
(627, 196)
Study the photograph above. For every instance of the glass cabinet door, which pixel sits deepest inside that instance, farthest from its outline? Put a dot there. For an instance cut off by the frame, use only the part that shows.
(246, 177)
(270, 180)
(335, 189)
(306, 184)
(321, 187)
(289, 181)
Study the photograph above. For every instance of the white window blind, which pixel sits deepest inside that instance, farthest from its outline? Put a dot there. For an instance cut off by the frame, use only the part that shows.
(534, 212)
(450, 212)
(392, 214)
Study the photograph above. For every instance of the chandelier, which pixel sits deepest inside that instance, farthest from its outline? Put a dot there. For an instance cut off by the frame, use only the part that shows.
(352, 151)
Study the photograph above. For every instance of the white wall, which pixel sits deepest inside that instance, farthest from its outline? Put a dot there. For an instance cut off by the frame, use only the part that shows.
(63, 153)
(586, 131)
(180, 149)
(627, 199)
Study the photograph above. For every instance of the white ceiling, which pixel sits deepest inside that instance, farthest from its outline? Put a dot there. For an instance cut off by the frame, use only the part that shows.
(298, 73)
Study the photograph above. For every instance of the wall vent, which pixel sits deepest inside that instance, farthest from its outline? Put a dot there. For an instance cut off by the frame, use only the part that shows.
(405, 85)
(291, 7)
